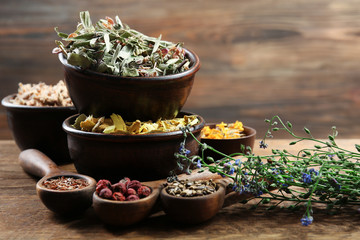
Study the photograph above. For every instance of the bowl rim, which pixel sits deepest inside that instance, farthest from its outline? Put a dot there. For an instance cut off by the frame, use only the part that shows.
(231, 139)
(123, 203)
(219, 190)
(90, 180)
(7, 104)
(79, 133)
(192, 70)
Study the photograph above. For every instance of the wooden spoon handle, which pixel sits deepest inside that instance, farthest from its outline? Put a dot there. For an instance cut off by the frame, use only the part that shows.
(37, 163)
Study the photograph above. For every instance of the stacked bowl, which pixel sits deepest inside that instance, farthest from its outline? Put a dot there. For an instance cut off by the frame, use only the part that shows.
(113, 156)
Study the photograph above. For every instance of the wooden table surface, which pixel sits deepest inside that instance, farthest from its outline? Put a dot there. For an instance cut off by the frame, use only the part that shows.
(22, 215)
(259, 58)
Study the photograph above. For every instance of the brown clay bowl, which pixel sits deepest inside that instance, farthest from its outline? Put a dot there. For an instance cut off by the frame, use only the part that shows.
(124, 213)
(39, 128)
(193, 210)
(230, 146)
(143, 98)
(62, 202)
(114, 156)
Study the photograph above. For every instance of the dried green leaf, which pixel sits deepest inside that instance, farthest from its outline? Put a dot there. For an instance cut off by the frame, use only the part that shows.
(78, 120)
(86, 21)
(61, 34)
(78, 60)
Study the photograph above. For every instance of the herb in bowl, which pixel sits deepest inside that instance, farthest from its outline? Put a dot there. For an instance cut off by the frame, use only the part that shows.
(114, 48)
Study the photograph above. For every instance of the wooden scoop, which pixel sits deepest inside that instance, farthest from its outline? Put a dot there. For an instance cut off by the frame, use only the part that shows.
(186, 210)
(124, 213)
(63, 202)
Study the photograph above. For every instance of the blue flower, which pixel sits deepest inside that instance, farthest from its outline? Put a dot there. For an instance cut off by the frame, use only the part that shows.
(198, 164)
(183, 150)
(306, 178)
(313, 171)
(237, 162)
(275, 171)
(306, 220)
(232, 170)
(263, 144)
(221, 174)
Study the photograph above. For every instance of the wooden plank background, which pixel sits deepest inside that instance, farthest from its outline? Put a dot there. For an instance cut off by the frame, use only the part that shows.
(298, 59)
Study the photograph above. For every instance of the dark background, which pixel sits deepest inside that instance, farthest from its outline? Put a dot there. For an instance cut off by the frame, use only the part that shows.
(297, 59)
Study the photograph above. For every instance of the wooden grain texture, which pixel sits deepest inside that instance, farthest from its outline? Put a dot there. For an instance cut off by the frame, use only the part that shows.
(22, 215)
(298, 59)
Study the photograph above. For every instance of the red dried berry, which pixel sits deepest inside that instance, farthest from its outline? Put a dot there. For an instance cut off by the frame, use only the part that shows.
(118, 196)
(135, 184)
(131, 191)
(119, 187)
(106, 193)
(101, 184)
(144, 191)
(132, 198)
(126, 181)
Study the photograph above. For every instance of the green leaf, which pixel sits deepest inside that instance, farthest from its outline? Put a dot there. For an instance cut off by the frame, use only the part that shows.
(293, 143)
(210, 159)
(130, 72)
(107, 43)
(289, 124)
(79, 60)
(116, 54)
(357, 146)
(82, 37)
(78, 120)
(307, 130)
(125, 52)
(86, 20)
(118, 21)
(61, 34)
(156, 45)
(307, 153)
(172, 61)
(103, 67)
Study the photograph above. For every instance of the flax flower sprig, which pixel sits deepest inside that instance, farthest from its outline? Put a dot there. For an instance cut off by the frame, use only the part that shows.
(324, 173)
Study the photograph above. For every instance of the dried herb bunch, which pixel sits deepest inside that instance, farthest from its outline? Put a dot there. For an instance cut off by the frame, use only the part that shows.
(324, 173)
(114, 48)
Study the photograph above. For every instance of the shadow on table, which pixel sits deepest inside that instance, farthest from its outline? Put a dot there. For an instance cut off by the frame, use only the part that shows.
(239, 220)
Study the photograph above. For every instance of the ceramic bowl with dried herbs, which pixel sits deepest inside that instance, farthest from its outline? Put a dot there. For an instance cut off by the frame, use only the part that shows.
(228, 138)
(104, 153)
(35, 115)
(110, 67)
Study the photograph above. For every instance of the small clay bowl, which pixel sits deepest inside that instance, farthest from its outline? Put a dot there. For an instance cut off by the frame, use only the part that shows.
(124, 213)
(62, 202)
(230, 146)
(143, 98)
(143, 157)
(39, 128)
(193, 210)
